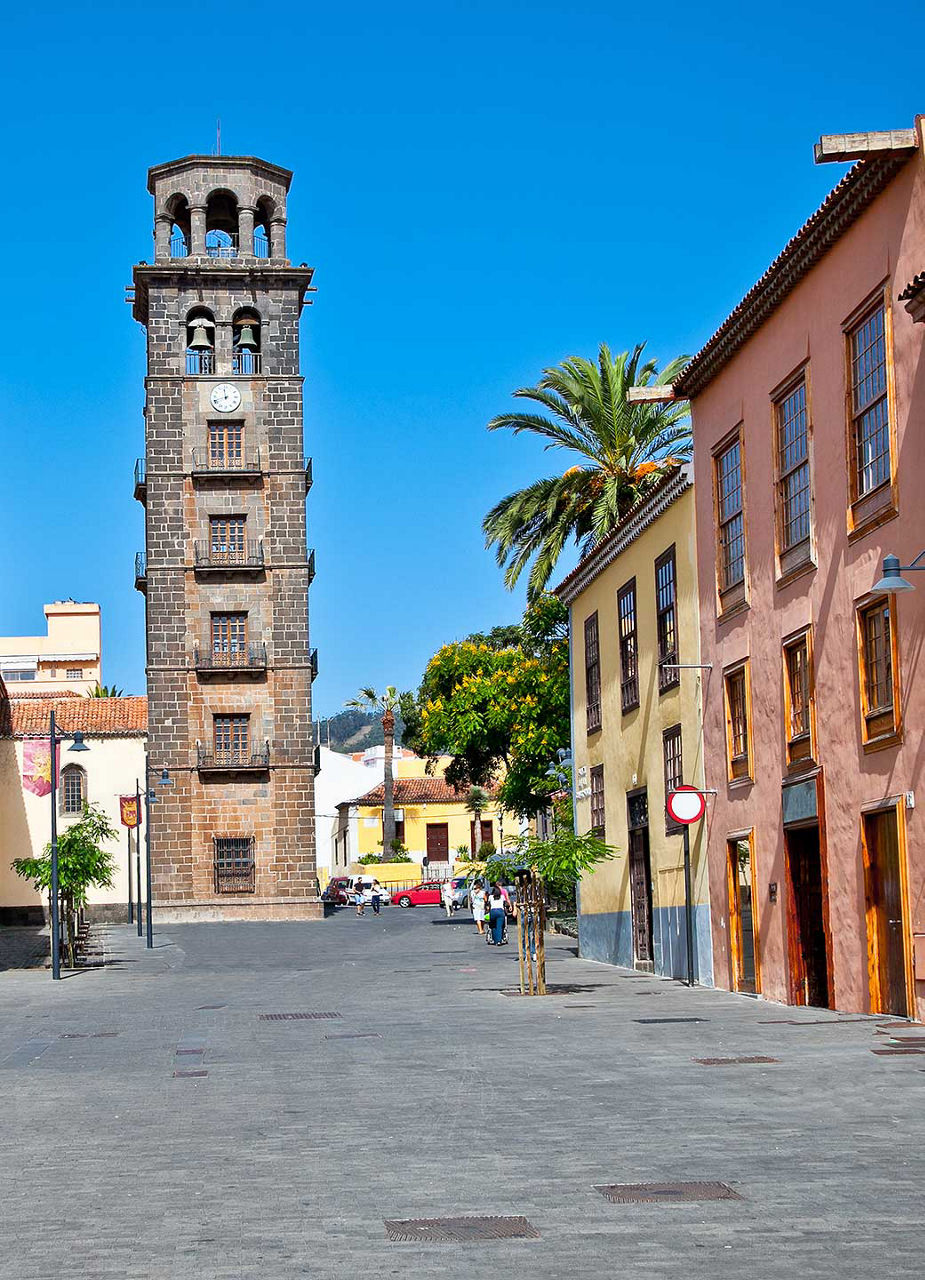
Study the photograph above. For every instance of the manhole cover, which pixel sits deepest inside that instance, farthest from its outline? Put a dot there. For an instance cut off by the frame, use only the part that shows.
(653, 1021)
(732, 1062)
(460, 1230)
(660, 1192)
(294, 1017)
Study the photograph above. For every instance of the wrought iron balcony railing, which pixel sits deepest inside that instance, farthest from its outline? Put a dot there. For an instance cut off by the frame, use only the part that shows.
(249, 555)
(141, 571)
(246, 364)
(179, 247)
(313, 662)
(261, 245)
(199, 363)
(221, 244)
(206, 462)
(141, 479)
(311, 567)
(217, 760)
(309, 479)
(248, 657)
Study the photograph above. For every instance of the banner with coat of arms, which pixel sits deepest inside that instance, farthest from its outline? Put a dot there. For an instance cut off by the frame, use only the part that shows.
(36, 765)
(128, 811)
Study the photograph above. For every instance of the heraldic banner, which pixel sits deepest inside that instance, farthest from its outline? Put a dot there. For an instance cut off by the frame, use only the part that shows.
(128, 811)
(36, 765)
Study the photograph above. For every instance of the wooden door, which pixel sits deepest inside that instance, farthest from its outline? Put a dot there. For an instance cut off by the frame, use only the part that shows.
(809, 972)
(886, 931)
(641, 894)
(438, 842)
(743, 923)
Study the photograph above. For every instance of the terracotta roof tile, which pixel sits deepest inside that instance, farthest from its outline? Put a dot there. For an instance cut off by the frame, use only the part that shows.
(415, 791)
(95, 717)
(18, 693)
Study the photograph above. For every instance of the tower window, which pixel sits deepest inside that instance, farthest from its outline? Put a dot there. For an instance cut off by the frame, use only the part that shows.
(222, 225)
(230, 739)
(234, 864)
(229, 633)
(178, 208)
(227, 542)
(265, 211)
(226, 446)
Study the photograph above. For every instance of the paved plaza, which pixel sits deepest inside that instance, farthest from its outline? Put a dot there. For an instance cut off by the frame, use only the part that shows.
(155, 1125)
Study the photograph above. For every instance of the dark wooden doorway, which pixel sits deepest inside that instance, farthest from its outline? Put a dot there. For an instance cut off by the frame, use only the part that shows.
(809, 967)
(886, 929)
(743, 921)
(438, 842)
(637, 807)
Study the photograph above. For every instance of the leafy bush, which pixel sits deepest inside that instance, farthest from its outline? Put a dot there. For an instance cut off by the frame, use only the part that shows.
(368, 859)
(486, 850)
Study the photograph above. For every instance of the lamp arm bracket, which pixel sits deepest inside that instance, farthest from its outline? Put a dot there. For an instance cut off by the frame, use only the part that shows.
(904, 568)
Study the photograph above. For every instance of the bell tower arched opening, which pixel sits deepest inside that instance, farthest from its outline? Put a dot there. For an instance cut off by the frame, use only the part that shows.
(178, 211)
(246, 354)
(200, 342)
(222, 224)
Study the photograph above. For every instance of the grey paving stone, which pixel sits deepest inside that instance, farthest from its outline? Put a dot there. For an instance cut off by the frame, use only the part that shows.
(452, 1100)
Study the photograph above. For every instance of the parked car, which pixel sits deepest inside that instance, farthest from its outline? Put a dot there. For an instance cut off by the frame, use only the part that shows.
(460, 891)
(420, 895)
(336, 891)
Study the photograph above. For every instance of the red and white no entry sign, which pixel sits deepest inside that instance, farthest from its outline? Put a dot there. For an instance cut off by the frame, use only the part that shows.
(686, 805)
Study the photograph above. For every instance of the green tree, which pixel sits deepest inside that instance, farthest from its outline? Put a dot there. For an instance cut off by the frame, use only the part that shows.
(385, 706)
(499, 712)
(624, 447)
(82, 863)
(561, 860)
(104, 691)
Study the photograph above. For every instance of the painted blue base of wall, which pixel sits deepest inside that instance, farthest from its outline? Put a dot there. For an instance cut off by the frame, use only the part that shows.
(608, 937)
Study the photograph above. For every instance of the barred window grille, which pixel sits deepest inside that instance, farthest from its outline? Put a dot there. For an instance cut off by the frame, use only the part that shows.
(666, 620)
(592, 674)
(793, 484)
(72, 789)
(597, 800)
(869, 405)
(234, 864)
(629, 667)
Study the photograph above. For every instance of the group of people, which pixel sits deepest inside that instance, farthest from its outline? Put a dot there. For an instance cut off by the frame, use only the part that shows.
(491, 904)
(369, 895)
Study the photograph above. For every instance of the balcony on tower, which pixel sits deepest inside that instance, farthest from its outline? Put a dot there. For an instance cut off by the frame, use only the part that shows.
(224, 659)
(141, 572)
(221, 461)
(141, 481)
(309, 480)
(217, 760)
(243, 557)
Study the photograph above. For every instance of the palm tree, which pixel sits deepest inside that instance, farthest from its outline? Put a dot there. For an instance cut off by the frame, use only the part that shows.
(625, 448)
(369, 700)
(477, 801)
(104, 691)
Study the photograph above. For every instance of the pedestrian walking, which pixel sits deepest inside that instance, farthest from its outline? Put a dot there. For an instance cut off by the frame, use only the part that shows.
(477, 902)
(496, 916)
(446, 896)
(376, 896)
(358, 899)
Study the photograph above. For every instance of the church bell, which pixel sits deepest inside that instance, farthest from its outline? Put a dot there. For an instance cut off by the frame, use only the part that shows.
(200, 339)
(246, 340)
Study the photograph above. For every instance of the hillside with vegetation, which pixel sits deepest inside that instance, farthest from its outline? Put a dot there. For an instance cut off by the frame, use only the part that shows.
(354, 730)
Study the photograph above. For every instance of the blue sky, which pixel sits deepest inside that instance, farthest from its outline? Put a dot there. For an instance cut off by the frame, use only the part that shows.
(483, 188)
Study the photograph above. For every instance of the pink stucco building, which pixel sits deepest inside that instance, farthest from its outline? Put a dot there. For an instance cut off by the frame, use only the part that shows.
(808, 409)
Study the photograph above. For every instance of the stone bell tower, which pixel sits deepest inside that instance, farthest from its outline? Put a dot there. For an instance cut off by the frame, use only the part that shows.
(226, 570)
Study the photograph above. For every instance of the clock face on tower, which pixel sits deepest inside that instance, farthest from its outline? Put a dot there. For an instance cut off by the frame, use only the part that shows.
(225, 397)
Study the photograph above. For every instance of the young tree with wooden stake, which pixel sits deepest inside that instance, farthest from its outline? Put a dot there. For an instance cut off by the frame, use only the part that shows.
(369, 700)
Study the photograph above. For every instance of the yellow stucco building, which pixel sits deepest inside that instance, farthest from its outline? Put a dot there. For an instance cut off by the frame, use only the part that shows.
(67, 658)
(636, 710)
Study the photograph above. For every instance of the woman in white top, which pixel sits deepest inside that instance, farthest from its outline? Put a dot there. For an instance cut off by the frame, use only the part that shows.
(477, 902)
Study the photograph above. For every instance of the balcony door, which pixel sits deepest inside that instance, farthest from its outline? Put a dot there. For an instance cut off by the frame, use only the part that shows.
(229, 634)
(226, 445)
(743, 922)
(231, 738)
(227, 545)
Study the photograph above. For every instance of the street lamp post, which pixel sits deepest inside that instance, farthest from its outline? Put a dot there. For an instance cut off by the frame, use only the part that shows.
(78, 745)
(164, 780)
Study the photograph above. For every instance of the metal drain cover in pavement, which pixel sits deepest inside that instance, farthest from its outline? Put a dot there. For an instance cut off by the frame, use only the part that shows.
(459, 1230)
(652, 1021)
(732, 1062)
(294, 1017)
(660, 1192)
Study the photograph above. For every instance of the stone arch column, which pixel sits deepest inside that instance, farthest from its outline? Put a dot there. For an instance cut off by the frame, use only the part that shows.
(246, 215)
(198, 230)
(277, 237)
(162, 225)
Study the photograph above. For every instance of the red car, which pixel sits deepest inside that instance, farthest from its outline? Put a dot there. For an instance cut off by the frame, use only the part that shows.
(422, 895)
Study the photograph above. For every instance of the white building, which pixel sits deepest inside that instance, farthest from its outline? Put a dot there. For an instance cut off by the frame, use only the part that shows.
(67, 658)
(341, 778)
